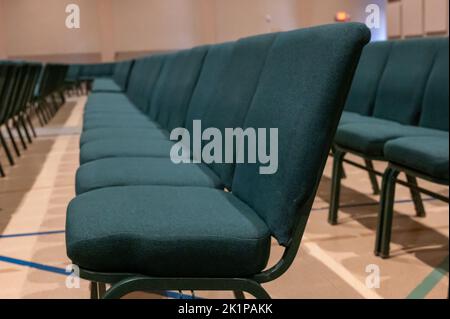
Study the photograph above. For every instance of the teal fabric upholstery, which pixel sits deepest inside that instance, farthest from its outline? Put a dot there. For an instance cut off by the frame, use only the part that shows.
(106, 99)
(111, 172)
(181, 76)
(234, 97)
(301, 92)
(143, 79)
(222, 96)
(400, 94)
(124, 147)
(361, 98)
(299, 87)
(154, 228)
(435, 113)
(122, 73)
(106, 85)
(427, 155)
(119, 122)
(114, 133)
(211, 79)
(369, 138)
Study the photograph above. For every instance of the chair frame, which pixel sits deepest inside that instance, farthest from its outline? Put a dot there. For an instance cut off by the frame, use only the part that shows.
(337, 175)
(386, 214)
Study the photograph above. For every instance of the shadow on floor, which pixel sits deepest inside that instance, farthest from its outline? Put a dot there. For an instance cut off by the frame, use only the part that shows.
(425, 243)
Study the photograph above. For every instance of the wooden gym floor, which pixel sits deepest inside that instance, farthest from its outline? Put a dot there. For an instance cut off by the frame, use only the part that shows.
(332, 261)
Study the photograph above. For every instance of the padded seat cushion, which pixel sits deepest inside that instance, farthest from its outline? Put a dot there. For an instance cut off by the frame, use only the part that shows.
(119, 123)
(124, 147)
(143, 171)
(106, 98)
(114, 116)
(351, 118)
(425, 154)
(166, 231)
(127, 108)
(117, 133)
(369, 138)
(105, 85)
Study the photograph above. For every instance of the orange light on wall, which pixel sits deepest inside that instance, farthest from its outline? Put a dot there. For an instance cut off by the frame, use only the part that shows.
(342, 16)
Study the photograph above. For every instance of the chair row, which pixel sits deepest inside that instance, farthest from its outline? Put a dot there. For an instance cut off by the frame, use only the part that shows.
(142, 222)
(397, 111)
(24, 88)
(79, 74)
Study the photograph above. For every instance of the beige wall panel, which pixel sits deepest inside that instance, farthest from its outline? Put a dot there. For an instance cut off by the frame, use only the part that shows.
(412, 18)
(3, 49)
(394, 20)
(153, 25)
(436, 16)
(38, 28)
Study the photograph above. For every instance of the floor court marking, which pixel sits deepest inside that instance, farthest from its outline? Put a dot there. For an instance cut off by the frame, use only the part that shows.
(61, 271)
(427, 285)
(54, 232)
(34, 265)
(320, 254)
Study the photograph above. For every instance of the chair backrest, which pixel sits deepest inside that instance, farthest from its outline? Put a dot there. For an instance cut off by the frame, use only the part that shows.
(100, 70)
(73, 72)
(435, 112)
(209, 82)
(301, 92)
(233, 99)
(122, 72)
(179, 74)
(400, 94)
(143, 76)
(9, 91)
(361, 98)
(4, 83)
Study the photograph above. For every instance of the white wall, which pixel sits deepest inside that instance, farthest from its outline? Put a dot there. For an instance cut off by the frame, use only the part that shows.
(147, 25)
(3, 52)
(126, 28)
(38, 28)
(239, 18)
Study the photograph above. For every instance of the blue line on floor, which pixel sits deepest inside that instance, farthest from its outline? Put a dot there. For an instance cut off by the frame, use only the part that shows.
(33, 234)
(34, 265)
(61, 271)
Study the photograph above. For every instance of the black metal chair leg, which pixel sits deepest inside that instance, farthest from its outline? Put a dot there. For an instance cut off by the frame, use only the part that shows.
(2, 172)
(338, 157)
(388, 212)
(13, 141)
(25, 129)
(30, 124)
(372, 177)
(22, 140)
(415, 195)
(94, 290)
(36, 111)
(6, 148)
(98, 290)
(239, 294)
(379, 230)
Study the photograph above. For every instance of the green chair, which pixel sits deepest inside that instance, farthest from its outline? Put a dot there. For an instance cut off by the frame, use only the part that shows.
(144, 238)
(221, 99)
(426, 156)
(396, 113)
